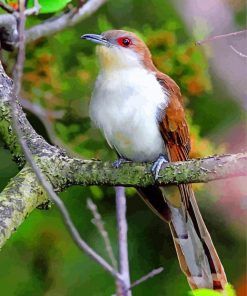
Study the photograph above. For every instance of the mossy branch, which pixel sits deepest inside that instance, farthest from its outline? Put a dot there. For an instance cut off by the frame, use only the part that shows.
(20, 197)
(24, 193)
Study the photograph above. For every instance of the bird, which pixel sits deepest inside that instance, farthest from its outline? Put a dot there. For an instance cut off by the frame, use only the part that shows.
(141, 115)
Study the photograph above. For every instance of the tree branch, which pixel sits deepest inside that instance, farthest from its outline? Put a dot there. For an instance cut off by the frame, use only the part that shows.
(53, 168)
(8, 23)
(213, 38)
(99, 223)
(19, 198)
(65, 20)
(6, 7)
(34, 10)
(122, 240)
(40, 176)
(242, 55)
(54, 160)
(18, 69)
(63, 171)
(22, 195)
(146, 277)
(8, 31)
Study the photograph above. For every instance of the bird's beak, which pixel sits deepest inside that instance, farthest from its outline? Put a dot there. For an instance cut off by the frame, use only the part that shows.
(97, 39)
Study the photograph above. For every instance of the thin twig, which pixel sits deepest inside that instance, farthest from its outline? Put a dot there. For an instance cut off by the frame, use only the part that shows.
(122, 239)
(40, 111)
(7, 7)
(46, 117)
(238, 52)
(146, 277)
(18, 69)
(65, 20)
(34, 10)
(99, 223)
(220, 37)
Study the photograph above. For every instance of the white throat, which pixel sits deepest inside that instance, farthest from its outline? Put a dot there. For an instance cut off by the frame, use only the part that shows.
(125, 105)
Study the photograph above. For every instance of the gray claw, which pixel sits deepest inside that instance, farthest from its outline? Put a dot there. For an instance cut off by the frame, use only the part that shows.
(162, 159)
(117, 163)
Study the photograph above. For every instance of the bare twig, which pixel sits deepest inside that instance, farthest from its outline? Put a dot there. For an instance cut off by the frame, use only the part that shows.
(53, 24)
(34, 10)
(238, 52)
(7, 7)
(18, 69)
(210, 39)
(65, 20)
(146, 277)
(46, 117)
(64, 171)
(122, 239)
(98, 222)
(40, 111)
(200, 42)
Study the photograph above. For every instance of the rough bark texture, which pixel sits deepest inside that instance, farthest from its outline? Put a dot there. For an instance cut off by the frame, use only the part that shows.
(8, 31)
(20, 197)
(23, 193)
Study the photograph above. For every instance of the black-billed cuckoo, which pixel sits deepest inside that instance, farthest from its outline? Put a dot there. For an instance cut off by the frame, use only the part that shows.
(140, 113)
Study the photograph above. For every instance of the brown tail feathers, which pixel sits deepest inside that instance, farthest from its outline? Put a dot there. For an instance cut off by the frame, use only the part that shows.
(196, 253)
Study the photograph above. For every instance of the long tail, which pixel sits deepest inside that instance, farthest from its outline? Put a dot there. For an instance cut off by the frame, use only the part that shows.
(196, 253)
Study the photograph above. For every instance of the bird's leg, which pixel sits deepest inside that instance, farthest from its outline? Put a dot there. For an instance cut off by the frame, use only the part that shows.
(117, 163)
(162, 159)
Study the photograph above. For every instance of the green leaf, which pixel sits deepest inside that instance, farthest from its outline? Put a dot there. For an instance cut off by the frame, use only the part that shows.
(204, 292)
(48, 6)
(229, 291)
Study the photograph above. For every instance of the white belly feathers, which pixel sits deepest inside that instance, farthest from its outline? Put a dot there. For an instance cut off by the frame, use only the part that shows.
(125, 106)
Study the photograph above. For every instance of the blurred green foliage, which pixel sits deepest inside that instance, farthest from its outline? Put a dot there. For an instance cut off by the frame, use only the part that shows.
(41, 259)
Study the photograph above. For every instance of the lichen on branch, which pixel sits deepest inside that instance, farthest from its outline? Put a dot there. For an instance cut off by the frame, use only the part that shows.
(24, 193)
(19, 198)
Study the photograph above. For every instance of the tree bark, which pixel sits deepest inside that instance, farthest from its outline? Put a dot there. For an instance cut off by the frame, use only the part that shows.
(23, 193)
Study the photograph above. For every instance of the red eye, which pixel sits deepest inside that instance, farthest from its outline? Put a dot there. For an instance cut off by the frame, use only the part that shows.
(124, 41)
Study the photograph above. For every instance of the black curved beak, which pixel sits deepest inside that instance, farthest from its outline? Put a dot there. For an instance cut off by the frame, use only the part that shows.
(96, 39)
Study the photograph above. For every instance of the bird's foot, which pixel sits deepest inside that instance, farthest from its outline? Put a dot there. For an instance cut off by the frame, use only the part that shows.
(117, 163)
(161, 160)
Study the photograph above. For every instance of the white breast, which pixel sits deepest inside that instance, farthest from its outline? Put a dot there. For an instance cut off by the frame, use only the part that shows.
(125, 106)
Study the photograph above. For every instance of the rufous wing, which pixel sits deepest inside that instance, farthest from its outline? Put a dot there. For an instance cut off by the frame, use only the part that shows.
(175, 132)
(173, 126)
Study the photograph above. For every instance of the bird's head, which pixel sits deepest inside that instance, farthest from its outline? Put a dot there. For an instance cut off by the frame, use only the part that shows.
(118, 49)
